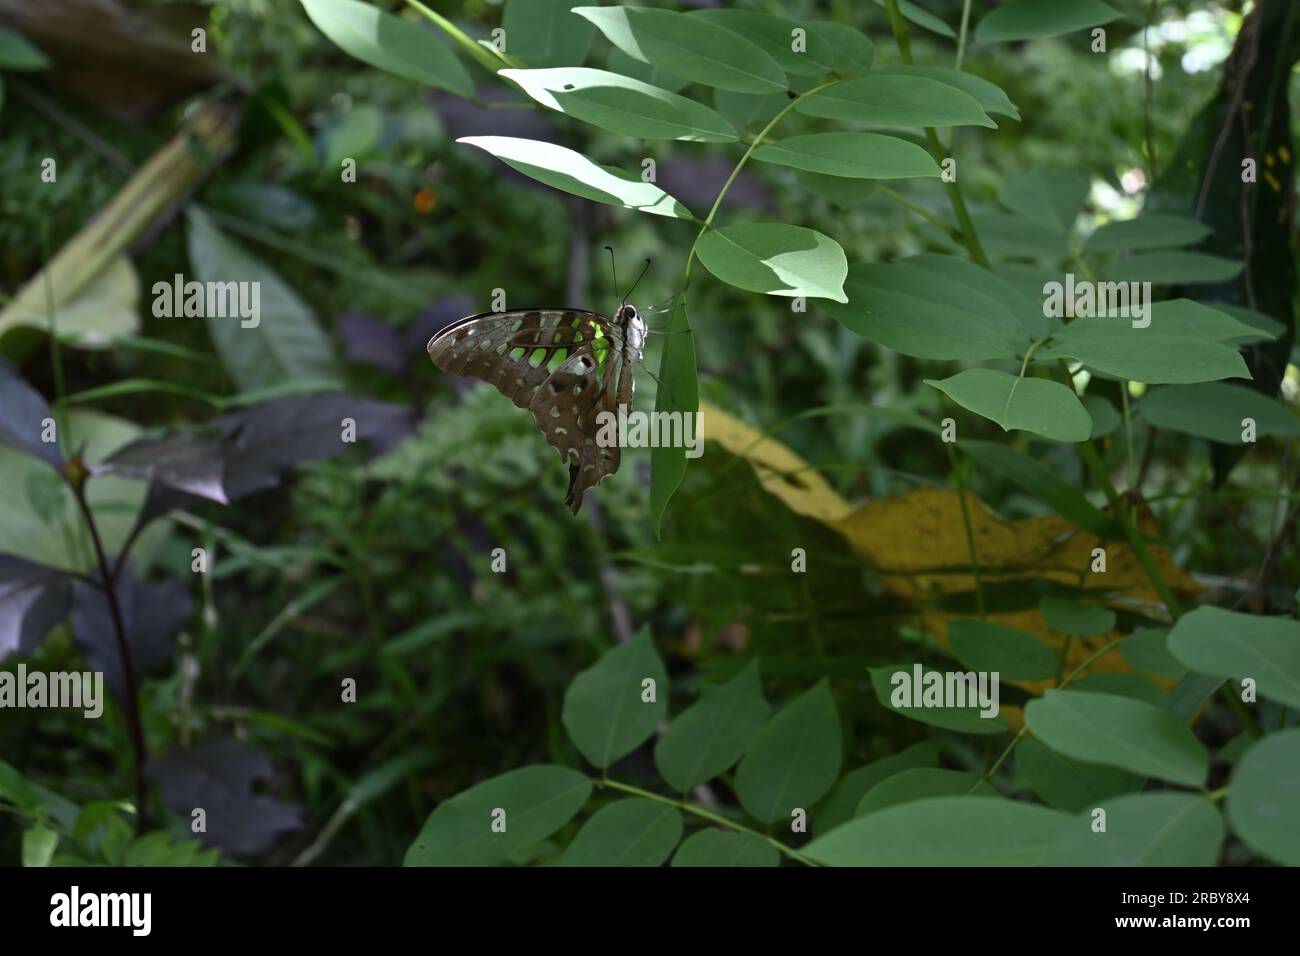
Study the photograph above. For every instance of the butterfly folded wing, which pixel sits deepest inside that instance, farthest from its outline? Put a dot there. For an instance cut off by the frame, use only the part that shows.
(518, 352)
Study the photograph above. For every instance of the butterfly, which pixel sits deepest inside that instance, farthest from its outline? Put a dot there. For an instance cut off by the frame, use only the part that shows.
(564, 365)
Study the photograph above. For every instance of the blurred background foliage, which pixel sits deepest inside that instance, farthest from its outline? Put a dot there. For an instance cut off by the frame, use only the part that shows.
(378, 567)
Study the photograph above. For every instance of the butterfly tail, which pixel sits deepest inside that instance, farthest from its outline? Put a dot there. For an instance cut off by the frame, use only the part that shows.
(574, 498)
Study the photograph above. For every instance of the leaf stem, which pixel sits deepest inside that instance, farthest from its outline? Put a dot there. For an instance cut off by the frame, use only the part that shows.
(1025, 728)
(758, 140)
(491, 61)
(920, 210)
(704, 815)
(970, 529)
(132, 703)
(1131, 532)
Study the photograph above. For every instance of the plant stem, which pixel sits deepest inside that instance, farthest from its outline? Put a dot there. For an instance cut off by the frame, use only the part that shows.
(132, 703)
(920, 210)
(1131, 532)
(490, 57)
(961, 34)
(1025, 728)
(704, 815)
(758, 140)
(970, 529)
(958, 203)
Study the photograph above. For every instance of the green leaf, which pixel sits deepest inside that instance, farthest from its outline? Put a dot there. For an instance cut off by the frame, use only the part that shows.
(631, 832)
(574, 173)
(922, 18)
(620, 62)
(40, 503)
(854, 785)
(1151, 231)
(1034, 405)
(896, 100)
(1215, 410)
(39, 844)
(1133, 686)
(1194, 320)
(988, 646)
(1053, 198)
(991, 97)
(775, 259)
(725, 848)
(623, 105)
(355, 135)
(1264, 796)
(1211, 640)
(679, 392)
(920, 784)
(604, 713)
(103, 311)
(1104, 417)
(1118, 732)
(1076, 618)
(775, 36)
(836, 189)
(853, 51)
(408, 50)
(853, 155)
(794, 759)
(944, 831)
(536, 800)
(1147, 650)
(688, 46)
(1174, 268)
(18, 54)
(1066, 784)
(1017, 237)
(913, 307)
(963, 719)
(286, 345)
(1151, 355)
(709, 736)
(1028, 19)
(1143, 829)
(545, 33)
(748, 110)
(1043, 483)
(1267, 326)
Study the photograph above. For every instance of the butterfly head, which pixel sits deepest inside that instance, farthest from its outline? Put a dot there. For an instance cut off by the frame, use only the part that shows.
(633, 327)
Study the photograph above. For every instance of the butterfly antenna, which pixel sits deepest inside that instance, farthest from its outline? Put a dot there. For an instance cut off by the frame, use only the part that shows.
(613, 268)
(644, 269)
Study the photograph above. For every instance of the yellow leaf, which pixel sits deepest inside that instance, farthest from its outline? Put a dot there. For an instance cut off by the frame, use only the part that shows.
(917, 543)
(780, 471)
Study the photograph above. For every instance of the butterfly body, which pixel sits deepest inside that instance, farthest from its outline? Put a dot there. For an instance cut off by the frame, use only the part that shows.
(566, 366)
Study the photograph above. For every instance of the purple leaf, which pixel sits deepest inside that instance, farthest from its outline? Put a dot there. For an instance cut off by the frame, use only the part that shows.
(270, 437)
(33, 598)
(371, 341)
(697, 182)
(22, 413)
(217, 775)
(180, 460)
(152, 615)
